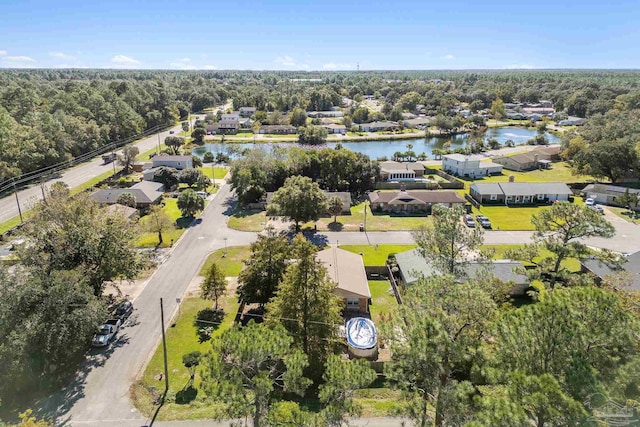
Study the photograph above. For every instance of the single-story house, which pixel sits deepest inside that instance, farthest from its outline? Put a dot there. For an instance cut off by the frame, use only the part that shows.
(416, 122)
(146, 194)
(600, 269)
(336, 129)
(539, 158)
(176, 162)
(413, 200)
(344, 196)
(572, 121)
(545, 111)
(378, 126)
(230, 117)
(608, 194)
(320, 114)
(247, 111)
(126, 211)
(469, 166)
(412, 266)
(346, 269)
(522, 193)
(224, 126)
(278, 129)
(397, 171)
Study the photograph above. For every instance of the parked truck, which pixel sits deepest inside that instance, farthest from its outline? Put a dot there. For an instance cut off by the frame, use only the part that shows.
(108, 158)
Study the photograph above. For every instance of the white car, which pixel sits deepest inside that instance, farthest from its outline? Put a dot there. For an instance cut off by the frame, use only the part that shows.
(590, 202)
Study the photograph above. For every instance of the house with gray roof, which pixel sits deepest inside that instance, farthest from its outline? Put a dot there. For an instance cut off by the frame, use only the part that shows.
(146, 194)
(378, 126)
(412, 266)
(413, 201)
(601, 270)
(247, 111)
(609, 194)
(519, 193)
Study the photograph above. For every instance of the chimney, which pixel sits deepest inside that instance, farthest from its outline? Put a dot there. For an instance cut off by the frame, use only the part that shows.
(403, 187)
(512, 178)
(536, 157)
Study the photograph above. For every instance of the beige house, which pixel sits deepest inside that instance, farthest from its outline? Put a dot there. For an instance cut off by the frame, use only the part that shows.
(396, 171)
(346, 269)
(540, 158)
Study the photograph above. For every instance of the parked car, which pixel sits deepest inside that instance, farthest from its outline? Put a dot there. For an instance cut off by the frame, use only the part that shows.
(124, 310)
(590, 202)
(469, 222)
(171, 132)
(483, 221)
(202, 194)
(597, 208)
(117, 323)
(104, 336)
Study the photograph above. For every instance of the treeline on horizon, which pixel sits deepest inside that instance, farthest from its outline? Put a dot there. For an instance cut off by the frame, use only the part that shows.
(49, 116)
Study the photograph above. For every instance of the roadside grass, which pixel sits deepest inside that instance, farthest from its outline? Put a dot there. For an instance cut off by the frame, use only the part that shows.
(571, 264)
(181, 339)
(147, 154)
(217, 173)
(247, 220)
(149, 239)
(93, 181)
(625, 214)
(376, 255)
(14, 222)
(231, 264)
(382, 300)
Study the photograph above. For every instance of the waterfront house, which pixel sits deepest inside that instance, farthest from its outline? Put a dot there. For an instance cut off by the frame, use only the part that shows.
(176, 162)
(469, 166)
(378, 126)
(397, 171)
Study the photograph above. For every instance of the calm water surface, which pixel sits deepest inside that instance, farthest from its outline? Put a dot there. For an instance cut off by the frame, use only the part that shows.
(376, 149)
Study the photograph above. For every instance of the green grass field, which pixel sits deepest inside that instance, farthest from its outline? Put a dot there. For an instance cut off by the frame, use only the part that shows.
(376, 255)
(150, 239)
(217, 173)
(382, 300)
(181, 339)
(247, 220)
(231, 264)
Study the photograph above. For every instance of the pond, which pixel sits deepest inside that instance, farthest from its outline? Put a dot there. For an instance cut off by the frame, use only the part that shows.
(377, 149)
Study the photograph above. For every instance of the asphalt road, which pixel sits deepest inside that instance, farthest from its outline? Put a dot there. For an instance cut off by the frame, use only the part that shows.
(99, 395)
(73, 177)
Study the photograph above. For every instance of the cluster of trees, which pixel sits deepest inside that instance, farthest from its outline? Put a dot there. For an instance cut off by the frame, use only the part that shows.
(51, 301)
(261, 171)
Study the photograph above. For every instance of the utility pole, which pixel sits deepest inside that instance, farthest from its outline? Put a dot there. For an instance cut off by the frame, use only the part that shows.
(158, 142)
(164, 348)
(17, 201)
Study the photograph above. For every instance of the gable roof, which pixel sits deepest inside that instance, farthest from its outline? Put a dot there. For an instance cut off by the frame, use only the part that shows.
(415, 197)
(145, 193)
(522, 188)
(346, 269)
(414, 266)
(613, 190)
(126, 211)
(462, 157)
(632, 266)
(487, 187)
(393, 166)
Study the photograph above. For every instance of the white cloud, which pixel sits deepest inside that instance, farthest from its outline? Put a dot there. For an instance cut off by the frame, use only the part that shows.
(3, 52)
(449, 57)
(334, 66)
(209, 67)
(182, 64)
(124, 61)
(61, 55)
(19, 61)
(286, 60)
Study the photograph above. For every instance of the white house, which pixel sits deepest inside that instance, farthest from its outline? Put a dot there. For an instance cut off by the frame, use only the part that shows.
(378, 126)
(335, 128)
(176, 162)
(572, 121)
(230, 117)
(247, 111)
(469, 166)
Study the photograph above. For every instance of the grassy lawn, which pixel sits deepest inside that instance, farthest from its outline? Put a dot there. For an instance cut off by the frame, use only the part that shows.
(375, 222)
(150, 239)
(382, 300)
(625, 214)
(376, 255)
(181, 339)
(378, 402)
(572, 264)
(559, 172)
(231, 264)
(509, 218)
(247, 220)
(217, 173)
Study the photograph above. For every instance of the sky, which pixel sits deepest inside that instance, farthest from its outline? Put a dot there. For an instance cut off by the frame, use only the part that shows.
(320, 35)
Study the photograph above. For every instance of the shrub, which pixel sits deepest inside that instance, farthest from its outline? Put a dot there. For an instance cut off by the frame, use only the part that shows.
(207, 320)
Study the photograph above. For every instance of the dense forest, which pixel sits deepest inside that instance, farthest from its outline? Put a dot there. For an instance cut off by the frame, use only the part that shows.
(50, 116)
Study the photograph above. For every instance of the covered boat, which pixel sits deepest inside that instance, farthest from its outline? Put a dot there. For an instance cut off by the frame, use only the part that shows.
(362, 337)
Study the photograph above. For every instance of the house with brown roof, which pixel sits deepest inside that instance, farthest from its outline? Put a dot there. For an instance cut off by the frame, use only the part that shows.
(346, 269)
(540, 158)
(401, 171)
(418, 201)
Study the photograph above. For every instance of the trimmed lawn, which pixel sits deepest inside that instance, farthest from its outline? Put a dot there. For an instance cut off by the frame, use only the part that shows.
(247, 220)
(376, 255)
(559, 172)
(572, 264)
(509, 218)
(150, 239)
(382, 300)
(231, 264)
(375, 221)
(217, 173)
(181, 339)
